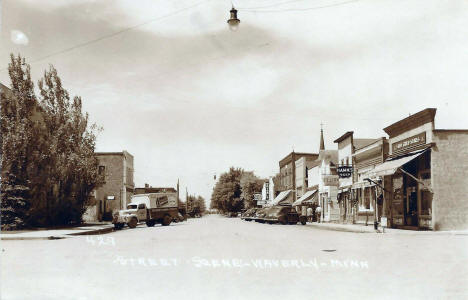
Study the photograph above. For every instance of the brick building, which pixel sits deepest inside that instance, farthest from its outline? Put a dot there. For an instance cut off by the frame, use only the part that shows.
(288, 170)
(118, 186)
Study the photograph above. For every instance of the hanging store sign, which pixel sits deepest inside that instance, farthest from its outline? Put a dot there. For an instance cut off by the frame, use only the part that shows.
(419, 139)
(331, 180)
(344, 171)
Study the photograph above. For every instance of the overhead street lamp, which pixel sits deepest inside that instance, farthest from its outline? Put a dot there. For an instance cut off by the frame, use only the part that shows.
(233, 20)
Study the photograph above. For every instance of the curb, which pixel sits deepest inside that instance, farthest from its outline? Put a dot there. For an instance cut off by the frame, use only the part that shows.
(94, 232)
(354, 230)
(58, 237)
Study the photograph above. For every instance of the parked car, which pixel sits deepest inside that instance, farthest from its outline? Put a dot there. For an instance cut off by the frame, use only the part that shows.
(260, 215)
(248, 214)
(281, 214)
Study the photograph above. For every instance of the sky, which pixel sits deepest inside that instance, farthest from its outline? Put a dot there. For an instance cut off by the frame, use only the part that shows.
(171, 84)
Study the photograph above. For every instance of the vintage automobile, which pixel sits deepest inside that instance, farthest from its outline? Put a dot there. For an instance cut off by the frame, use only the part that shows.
(248, 214)
(281, 214)
(260, 215)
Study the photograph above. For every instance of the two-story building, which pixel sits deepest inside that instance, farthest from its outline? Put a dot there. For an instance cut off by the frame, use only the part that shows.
(288, 170)
(348, 174)
(117, 186)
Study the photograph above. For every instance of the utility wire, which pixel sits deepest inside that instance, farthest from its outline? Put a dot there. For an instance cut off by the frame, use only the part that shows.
(115, 33)
(268, 6)
(298, 9)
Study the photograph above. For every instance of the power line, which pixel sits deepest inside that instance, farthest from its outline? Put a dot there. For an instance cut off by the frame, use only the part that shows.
(270, 5)
(298, 9)
(115, 33)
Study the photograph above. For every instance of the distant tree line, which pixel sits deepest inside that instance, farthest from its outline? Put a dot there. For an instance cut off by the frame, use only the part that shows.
(235, 190)
(48, 164)
(195, 205)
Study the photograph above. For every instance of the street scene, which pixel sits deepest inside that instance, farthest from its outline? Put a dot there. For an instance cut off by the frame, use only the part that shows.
(215, 257)
(250, 149)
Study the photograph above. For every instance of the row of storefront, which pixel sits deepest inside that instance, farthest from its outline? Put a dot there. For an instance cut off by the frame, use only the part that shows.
(416, 178)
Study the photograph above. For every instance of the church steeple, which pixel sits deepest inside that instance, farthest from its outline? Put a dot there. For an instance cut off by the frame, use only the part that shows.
(322, 144)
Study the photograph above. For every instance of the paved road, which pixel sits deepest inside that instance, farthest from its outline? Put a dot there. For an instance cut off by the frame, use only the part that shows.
(221, 258)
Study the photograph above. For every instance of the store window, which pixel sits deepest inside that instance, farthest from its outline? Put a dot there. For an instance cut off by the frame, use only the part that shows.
(426, 203)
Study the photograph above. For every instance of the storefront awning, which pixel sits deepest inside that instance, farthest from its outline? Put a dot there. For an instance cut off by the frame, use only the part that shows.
(309, 195)
(391, 166)
(281, 198)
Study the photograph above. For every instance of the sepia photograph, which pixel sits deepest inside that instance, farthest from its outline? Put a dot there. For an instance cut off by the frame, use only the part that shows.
(233, 149)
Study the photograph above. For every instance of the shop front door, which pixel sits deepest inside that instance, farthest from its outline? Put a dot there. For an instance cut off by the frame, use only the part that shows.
(411, 207)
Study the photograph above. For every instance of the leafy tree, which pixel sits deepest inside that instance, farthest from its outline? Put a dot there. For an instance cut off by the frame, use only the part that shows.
(21, 141)
(14, 203)
(226, 195)
(195, 205)
(250, 185)
(73, 167)
(48, 162)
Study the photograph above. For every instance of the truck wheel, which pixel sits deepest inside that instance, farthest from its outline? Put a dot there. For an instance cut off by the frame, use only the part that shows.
(150, 223)
(303, 221)
(132, 223)
(284, 220)
(166, 220)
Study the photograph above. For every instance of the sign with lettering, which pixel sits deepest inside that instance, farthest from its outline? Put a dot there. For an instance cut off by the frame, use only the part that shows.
(419, 139)
(344, 171)
(331, 180)
(161, 201)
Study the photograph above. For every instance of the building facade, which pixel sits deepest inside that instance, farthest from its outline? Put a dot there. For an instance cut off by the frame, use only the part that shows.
(425, 175)
(303, 165)
(288, 170)
(324, 177)
(117, 186)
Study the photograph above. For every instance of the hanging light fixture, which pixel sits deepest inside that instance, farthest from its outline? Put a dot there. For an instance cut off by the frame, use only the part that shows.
(233, 20)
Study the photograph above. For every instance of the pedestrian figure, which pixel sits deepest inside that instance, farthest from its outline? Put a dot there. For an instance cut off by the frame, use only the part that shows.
(319, 212)
(309, 214)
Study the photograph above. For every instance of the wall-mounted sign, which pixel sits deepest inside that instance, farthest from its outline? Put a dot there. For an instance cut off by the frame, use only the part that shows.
(110, 197)
(419, 139)
(331, 180)
(344, 171)
(257, 197)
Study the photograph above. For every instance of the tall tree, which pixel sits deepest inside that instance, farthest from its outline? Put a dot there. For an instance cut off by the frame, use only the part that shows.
(250, 185)
(20, 144)
(48, 162)
(73, 167)
(226, 194)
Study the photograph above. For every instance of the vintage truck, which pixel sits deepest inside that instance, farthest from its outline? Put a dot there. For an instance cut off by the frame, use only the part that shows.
(151, 208)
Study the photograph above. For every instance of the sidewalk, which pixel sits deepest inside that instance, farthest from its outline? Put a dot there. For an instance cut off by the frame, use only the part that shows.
(361, 228)
(52, 234)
